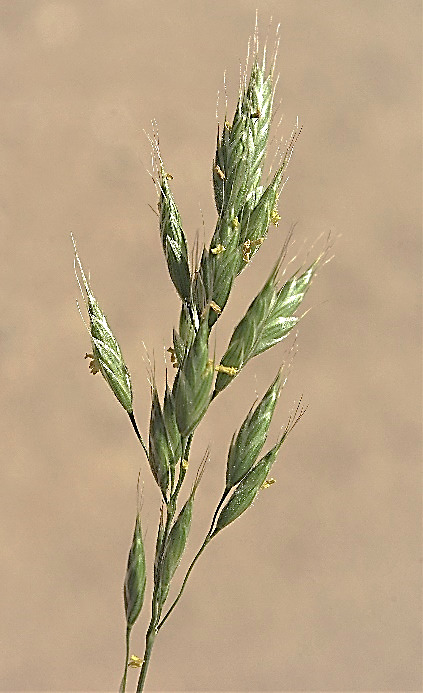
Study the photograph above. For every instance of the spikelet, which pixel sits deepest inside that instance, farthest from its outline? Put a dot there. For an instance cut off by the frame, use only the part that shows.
(173, 239)
(135, 579)
(268, 320)
(246, 446)
(160, 455)
(177, 539)
(107, 356)
(224, 268)
(241, 147)
(255, 223)
(192, 385)
(247, 489)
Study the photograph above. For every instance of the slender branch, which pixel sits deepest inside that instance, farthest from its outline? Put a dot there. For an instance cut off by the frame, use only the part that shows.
(122, 686)
(195, 559)
(137, 433)
(197, 556)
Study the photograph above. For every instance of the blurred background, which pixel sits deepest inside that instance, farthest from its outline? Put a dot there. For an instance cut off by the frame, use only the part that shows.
(318, 586)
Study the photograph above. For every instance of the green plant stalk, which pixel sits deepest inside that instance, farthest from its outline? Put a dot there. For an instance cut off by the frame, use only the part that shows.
(155, 605)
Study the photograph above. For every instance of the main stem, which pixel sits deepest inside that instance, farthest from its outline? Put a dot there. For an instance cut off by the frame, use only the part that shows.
(149, 642)
(156, 607)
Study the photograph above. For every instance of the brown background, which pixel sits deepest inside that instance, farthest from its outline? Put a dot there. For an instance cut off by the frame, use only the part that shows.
(318, 586)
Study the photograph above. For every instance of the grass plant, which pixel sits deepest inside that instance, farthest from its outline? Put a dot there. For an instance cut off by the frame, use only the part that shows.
(246, 203)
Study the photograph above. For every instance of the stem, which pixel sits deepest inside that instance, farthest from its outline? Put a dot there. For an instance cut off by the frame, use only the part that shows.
(149, 642)
(209, 536)
(156, 608)
(137, 433)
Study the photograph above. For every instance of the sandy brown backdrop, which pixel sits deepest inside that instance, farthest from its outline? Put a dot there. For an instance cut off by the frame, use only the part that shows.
(318, 586)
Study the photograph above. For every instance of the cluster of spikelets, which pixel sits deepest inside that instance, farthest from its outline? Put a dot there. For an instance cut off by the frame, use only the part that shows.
(246, 208)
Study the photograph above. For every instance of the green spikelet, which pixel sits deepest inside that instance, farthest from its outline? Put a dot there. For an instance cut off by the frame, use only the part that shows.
(187, 320)
(192, 385)
(173, 240)
(281, 320)
(135, 579)
(160, 453)
(225, 266)
(171, 426)
(246, 447)
(246, 490)
(268, 320)
(241, 147)
(257, 103)
(255, 479)
(179, 349)
(255, 222)
(203, 279)
(175, 547)
(159, 540)
(176, 542)
(106, 353)
(245, 333)
(231, 167)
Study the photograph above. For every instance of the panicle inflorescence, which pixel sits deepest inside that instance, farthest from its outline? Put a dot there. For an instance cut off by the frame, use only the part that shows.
(246, 202)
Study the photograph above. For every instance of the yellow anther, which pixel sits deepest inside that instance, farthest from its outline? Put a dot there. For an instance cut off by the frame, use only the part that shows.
(268, 483)
(249, 246)
(219, 172)
(246, 250)
(168, 176)
(228, 370)
(218, 249)
(173, 358)
(235, 223)
(274, 217)
(217, 309)
(135, 662)
(227, 125)
(185, 464)
(93, 365)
